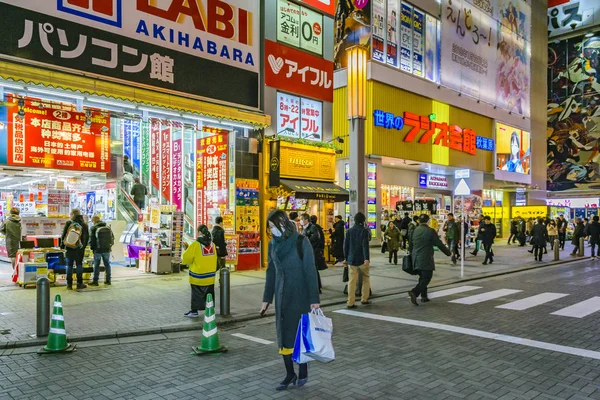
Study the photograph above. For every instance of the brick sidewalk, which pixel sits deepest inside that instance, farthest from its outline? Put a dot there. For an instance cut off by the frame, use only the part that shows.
(148, 302)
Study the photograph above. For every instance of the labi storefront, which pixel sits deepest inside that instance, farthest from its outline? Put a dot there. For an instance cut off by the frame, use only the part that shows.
(413, 146)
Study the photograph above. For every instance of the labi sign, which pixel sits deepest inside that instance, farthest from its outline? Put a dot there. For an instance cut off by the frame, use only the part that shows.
(165, 45)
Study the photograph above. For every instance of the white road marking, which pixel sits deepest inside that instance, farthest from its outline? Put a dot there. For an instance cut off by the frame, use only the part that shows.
(252, 338)
(532, 301)
(575, 351)
(478, 298)
(448, 292)
(580, 310)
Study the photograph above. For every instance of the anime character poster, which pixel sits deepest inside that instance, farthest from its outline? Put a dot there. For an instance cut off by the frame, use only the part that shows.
(573, 156)
(352, 28)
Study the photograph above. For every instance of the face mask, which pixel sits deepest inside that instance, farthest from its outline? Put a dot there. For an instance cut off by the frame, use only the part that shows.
(276, 232)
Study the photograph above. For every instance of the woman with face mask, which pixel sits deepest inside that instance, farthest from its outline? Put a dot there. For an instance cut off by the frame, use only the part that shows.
(292, 280)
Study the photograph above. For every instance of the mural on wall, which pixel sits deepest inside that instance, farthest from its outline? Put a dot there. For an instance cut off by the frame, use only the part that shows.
(573, 128)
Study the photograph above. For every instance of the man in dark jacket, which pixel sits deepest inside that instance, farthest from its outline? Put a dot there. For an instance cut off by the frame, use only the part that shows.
(539, 238)
(420, 247)
(478, 237)
(337, 240)
(514, 230)
(356, 251)
(561, 226)
(452, 230)
(12, 232)
(594, 233)
(218, 239)
(487, 235)
(101, 242)
(404, 225)
(314, 233)
(577, 234)
(139, 192)
(75, 254)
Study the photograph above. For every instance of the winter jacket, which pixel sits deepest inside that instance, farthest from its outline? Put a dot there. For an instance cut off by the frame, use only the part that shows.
(487, 233)
(393, 235)
(420, 247)
(337, 239)
(405, 222)
(202, 261)
(539, 235)
(561, 225)
(356, 245)
(292, 281)
(314, 235)
(94, 240)
(552, 229)
(218, 238)
(594, 232)
(12, 231)
(514, 227)
(452, 229)
(76, 254)
(578, 233)
(139, 192)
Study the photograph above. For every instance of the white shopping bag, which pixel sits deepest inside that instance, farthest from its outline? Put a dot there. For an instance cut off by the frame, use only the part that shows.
(300, 353)
(313, 339)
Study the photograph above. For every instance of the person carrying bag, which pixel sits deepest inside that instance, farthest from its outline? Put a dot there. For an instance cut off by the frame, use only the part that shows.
(313, 338)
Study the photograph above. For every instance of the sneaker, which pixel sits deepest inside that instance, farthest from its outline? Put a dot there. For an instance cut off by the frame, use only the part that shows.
(82, 286)
(191, 314)
(107, 283)
(353, 306)
(94, 284)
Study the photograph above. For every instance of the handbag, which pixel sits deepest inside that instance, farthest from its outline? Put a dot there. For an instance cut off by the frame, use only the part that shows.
(384, 247)
(407, 265)
(313, 338)
(345, 277)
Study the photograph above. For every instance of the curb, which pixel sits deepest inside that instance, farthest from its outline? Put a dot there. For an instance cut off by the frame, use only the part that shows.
(224, 322)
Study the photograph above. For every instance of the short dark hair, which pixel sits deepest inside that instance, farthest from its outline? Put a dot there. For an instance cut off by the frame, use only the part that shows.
(450, 215)
(313, 219)
(406, 214)
(423, 218)
(305, 216)
(339, 216)
(219, 220)
(359, 218)
(416, 218)
(293, 215)
(596, 218)
(487, 218)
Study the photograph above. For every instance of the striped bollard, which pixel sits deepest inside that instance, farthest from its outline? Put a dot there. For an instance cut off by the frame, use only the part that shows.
(210, 337)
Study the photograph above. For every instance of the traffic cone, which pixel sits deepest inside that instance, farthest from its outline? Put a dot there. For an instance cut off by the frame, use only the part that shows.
(210, 338)
(57, 339)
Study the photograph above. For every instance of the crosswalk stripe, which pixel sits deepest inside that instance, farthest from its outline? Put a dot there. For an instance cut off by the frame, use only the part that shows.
(532, 301)
(581, 309)
(448, 292)
(478, 298)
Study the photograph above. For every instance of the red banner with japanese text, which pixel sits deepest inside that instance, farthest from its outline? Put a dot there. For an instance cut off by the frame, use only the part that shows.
(165, 163)
(55, 135)
(211, 176)
(176, 177)
(155, 153)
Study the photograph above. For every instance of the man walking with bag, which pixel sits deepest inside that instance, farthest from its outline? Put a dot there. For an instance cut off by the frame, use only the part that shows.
(356, 250)
(420, 247)
(487, 236)
(101, 243)
(452, 230)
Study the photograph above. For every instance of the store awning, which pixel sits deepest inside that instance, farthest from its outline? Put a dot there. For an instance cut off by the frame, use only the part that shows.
(114, 91)
(316, 190)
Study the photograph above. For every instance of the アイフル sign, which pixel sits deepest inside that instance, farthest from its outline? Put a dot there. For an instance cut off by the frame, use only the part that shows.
(163, 45)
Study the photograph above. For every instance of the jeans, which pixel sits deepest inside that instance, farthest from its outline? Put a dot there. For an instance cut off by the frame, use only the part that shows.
(538, 251)
(562, 236)
(79, 271)
(552, 239)
(424, 279)
(453, 246)
(140, 204)
(594, 247)
(366, 283)
(105, 257)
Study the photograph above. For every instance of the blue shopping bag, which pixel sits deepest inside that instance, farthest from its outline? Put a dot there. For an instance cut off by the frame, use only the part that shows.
(313, 338)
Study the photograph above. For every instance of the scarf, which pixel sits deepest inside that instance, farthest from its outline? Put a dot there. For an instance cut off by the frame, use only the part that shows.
(283, 246)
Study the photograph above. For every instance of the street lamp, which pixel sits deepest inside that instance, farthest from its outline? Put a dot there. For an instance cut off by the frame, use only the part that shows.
(357, 113)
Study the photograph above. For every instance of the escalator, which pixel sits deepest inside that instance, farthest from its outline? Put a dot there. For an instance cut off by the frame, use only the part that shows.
(127, 210)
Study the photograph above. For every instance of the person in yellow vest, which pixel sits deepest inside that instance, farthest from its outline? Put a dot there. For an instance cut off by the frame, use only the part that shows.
(201, 256)
(433, 224)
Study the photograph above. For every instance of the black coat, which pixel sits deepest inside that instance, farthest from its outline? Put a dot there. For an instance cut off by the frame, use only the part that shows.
(578, 233)
(487, 233)
(337, 239)
(539, 235)
(514, 227)
(356, 245)
(293, 283)
(218, 238)
(594, 232)
(76, 254)
(420, 247)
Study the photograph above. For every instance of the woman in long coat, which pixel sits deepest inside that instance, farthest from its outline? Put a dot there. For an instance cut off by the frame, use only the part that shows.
(337, 240)
(393, 235)
(292, 280)
(539, 238)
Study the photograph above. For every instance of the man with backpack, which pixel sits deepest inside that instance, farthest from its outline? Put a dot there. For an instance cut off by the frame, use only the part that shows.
(74, 240)
(101, 243)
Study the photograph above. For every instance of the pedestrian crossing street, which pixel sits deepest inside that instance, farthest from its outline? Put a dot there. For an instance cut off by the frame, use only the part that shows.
(578, 310)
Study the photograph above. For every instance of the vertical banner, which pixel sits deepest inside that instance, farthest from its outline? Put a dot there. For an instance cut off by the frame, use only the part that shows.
(372, 198)
(135, 144)
(212, 196)
(406, 37)
(199, 183)
(176, 174)
(155, 154)
(392, 33)
(145, 159)
(418, 21)
(165, 163)
(274, 164)
(378, 20)
(126, 133)
(431, 65)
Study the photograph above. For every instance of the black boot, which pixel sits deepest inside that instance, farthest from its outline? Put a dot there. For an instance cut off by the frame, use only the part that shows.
(290, 377)
(303, 375)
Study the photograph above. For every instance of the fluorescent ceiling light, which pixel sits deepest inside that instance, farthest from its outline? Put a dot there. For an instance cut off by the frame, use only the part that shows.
(55, 93)
(10, 86)
(159, 111)
(110, 103)
(589, 34)
(244, 126)
(6, 179)
(201, 118)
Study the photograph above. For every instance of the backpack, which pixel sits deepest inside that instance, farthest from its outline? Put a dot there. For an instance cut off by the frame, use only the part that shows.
(104, 238)
(73, 236)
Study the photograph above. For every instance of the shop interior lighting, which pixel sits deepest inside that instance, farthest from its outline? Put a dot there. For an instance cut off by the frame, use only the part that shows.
(243, 126)
(54, 93)
(158, 111)
(201, 118)
(10, 86)
(589, 34)
(110, 103)
(6, 179)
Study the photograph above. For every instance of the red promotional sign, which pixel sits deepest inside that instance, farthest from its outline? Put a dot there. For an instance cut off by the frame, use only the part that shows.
(155, 154)
(211, 176)
(327, 6)
(298, 72)
(176, 183)
(55, 135)
(165, 163)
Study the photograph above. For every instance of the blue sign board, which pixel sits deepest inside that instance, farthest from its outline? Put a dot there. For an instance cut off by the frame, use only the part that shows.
(423, 180)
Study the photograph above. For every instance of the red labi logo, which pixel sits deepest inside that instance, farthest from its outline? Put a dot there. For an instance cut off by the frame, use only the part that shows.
(106, 7)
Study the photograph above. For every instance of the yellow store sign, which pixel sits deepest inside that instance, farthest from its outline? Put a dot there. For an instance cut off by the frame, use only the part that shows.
(307, 162)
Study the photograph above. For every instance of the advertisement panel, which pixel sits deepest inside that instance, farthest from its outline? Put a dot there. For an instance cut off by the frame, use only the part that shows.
(288, 23)
(431, 51)
(488, 41)
(567, 16)
(352, 27)
(406, 37)
(126, 135)
(145, 159)
(379, 26)
(176, 174)
(298, 72)
(392, 33)
(55, 135)
(159, 44)
(513, 153)
(165, 163)
(311, 28)
(211, 188)
(155, 154)
(572, 119)
(418, 27)
(311, 117)
(299, 117)
(327, 6)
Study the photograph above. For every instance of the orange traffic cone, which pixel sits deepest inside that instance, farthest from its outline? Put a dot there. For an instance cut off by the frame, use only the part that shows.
(210, 337)
(57, 339)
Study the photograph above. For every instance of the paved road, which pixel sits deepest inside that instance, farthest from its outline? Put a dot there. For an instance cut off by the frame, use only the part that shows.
(531, 335)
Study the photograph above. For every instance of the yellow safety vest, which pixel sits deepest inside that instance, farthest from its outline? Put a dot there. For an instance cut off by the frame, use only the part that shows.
(203, 263)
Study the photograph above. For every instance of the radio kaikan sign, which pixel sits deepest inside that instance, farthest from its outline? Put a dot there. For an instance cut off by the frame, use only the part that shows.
(166, 44)
(57, 136)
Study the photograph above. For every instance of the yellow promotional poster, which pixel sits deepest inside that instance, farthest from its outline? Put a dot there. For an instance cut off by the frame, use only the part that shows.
(306, 162)
(233, 244)
(228, 221)
(493, 212)
(527, 212)
(248, 218)
(154, 217)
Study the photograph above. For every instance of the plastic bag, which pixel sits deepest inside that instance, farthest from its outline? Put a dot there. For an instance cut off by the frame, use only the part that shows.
(313, 338)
